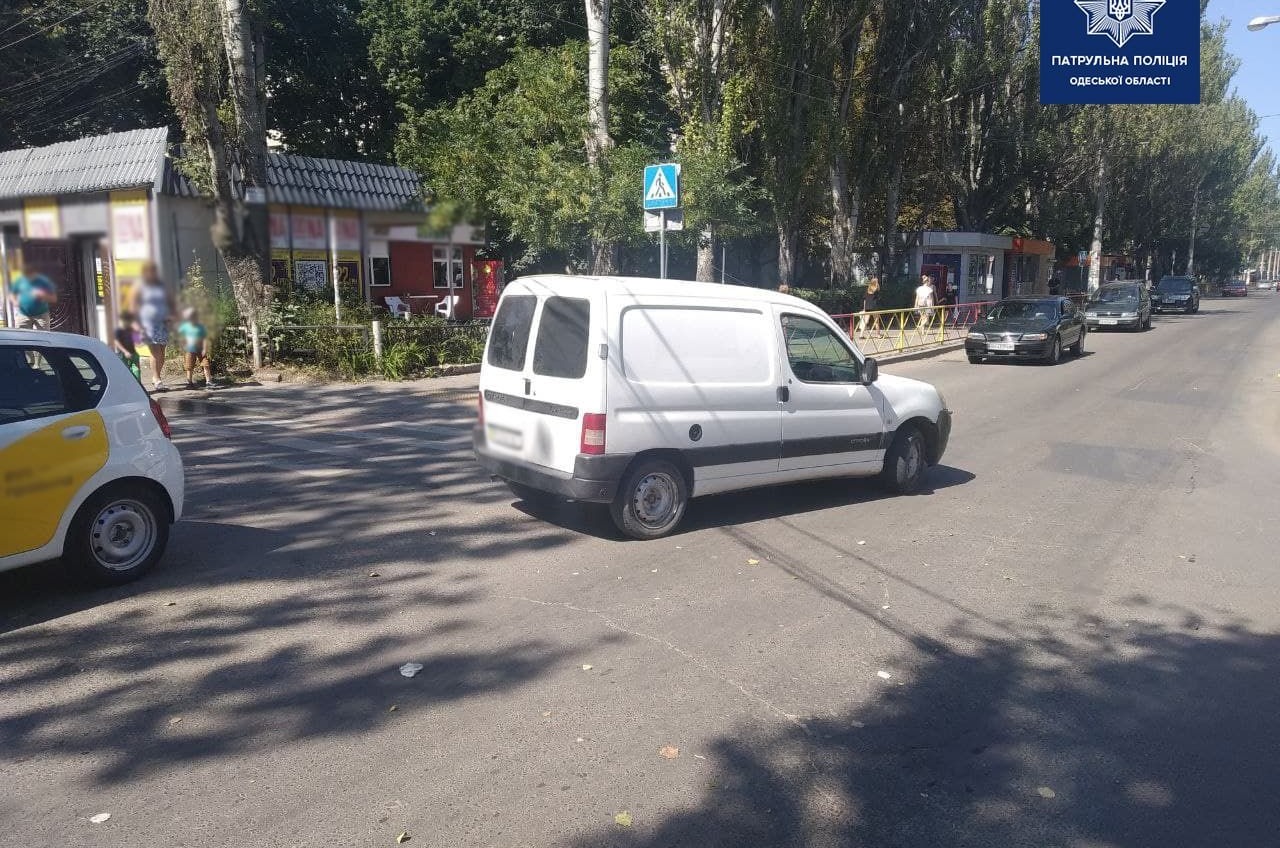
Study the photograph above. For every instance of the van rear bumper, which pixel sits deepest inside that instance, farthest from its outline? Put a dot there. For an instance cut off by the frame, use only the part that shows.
(594, 478)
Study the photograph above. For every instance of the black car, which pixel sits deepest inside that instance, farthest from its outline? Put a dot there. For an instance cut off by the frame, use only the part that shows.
(1027, 328)
(1119, 305)
(1176, 294)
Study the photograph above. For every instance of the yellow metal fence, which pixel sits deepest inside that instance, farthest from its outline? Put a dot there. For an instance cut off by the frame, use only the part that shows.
(888, 331)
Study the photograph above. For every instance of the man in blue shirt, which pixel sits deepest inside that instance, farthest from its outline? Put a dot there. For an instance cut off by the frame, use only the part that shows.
(32, 295)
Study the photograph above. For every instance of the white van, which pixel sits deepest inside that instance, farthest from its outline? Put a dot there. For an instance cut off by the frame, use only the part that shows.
(644, 393)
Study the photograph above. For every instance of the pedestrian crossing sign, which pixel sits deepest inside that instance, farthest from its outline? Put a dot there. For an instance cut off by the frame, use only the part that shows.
(662, 186)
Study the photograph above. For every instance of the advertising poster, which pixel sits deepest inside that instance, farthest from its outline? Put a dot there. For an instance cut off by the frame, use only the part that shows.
(347, 266)
(311, 270)
(281, 270)
(1119, 51)
(130, 234)
(40, 219)
(307, 228)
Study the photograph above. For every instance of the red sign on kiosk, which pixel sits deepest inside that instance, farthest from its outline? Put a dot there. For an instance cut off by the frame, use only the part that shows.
(487, 279)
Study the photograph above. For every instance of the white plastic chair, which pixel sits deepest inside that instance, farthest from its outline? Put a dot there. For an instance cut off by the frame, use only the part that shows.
(397, 306)
(446, 306)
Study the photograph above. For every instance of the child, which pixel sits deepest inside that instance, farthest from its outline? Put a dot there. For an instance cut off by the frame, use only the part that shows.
(124, 344)
(195, 343)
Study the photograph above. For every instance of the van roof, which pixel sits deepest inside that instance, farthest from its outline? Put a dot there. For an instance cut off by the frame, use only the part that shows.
(573, 283)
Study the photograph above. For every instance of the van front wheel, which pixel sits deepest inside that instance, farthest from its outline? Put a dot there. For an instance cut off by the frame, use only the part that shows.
(905, 462)
(651, 500)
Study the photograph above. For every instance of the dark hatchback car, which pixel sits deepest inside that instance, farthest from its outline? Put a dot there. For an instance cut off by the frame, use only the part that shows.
(1176, 294)
(1235, 288)
(1027, 328)
(1119, 305)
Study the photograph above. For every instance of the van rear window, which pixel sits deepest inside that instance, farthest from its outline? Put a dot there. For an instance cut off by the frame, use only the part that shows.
(561, 350)
(509, 336)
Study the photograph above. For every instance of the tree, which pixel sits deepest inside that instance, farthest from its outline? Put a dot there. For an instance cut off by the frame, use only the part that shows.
(310, 44)
(213, 61)
(511, 153)
(73, 68)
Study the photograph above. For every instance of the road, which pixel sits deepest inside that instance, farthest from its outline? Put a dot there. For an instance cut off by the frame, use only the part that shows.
(1069, 640)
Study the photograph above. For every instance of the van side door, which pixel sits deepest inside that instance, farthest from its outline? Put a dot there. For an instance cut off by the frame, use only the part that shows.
(831, 422)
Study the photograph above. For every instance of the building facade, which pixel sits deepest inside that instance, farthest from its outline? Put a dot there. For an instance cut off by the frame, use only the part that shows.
(91, 212)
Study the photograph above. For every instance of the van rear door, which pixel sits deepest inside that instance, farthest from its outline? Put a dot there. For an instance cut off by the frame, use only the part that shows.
(540, 373)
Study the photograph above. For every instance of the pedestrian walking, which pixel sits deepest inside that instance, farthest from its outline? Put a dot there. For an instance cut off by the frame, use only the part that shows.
(870, 304)
(195, 348)
(124, 344)
(924, 301)
(151, 305)
(31, 295)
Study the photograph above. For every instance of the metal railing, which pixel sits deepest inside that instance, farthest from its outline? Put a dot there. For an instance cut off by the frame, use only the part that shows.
(889, 331)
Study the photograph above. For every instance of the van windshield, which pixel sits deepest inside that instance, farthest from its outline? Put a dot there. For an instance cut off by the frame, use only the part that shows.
(1174, 285)
(509, 336)
(561, 350)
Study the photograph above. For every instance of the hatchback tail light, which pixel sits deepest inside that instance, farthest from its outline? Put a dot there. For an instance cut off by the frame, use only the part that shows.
(160, 419)
(592, 434)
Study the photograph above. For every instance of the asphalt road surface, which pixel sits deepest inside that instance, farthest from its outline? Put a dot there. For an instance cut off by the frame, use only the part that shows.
(1071, 639)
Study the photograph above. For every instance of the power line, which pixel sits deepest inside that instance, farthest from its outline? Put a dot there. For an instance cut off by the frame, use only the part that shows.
(58, 22)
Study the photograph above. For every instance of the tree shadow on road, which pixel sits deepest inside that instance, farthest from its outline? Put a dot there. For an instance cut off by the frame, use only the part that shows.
(1082, 732)
(242, 677)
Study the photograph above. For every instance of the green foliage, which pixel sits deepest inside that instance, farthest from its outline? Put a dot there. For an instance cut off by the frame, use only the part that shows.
(72, 68)
(461, 349)
(404, 359)
(512, 150)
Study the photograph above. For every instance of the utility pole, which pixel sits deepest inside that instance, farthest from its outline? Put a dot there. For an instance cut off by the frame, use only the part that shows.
(1095, 248)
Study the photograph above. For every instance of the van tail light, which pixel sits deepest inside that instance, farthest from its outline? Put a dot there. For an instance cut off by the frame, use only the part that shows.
(160, 419)
(592, 434)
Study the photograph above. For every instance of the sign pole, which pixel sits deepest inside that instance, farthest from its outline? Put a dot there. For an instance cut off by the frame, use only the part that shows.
(662, 245)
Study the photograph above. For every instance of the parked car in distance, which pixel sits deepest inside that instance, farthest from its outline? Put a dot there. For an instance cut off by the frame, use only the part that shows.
(643, 394)
(1120, 305)
(1027, 328)
(1176, 294)
(1235, 288)
(87, 471)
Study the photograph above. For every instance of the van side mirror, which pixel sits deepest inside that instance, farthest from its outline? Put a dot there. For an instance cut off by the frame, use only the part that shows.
(870, 371)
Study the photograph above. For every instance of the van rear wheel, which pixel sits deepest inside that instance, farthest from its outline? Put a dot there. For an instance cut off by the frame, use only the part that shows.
(651, 501)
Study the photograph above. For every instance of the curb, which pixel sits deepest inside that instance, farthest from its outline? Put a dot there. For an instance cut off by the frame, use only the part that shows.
(910, 356)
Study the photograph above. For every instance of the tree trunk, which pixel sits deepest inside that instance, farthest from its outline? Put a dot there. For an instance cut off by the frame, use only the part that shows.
(1100, 206)
(604, 256)
(788, 250)
(844, 223)
(706, 272)
(889, 256)
(243, 226)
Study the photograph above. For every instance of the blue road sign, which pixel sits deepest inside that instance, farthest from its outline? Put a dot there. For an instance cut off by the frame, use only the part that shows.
(662, 186)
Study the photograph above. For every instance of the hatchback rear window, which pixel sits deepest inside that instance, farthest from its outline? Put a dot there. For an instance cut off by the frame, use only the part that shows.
(561, 350)
(509, 336)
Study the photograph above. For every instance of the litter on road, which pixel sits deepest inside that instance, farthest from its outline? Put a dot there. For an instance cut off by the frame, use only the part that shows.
(409, 669)
(99, 818)
(883, 675)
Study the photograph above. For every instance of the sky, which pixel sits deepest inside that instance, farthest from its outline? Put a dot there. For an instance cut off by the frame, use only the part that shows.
(1258, 80)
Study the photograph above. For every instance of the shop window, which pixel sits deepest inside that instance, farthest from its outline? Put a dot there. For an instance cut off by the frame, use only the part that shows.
(380, 271)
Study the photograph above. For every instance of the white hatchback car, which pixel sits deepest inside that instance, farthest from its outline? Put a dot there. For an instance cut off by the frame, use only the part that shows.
(87, 470)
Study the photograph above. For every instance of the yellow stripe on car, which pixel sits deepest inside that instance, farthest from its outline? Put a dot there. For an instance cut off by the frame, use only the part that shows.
(41, 472)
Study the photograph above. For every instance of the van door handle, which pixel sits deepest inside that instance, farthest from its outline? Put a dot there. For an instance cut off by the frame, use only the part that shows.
(73, 434)
(784, 394)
